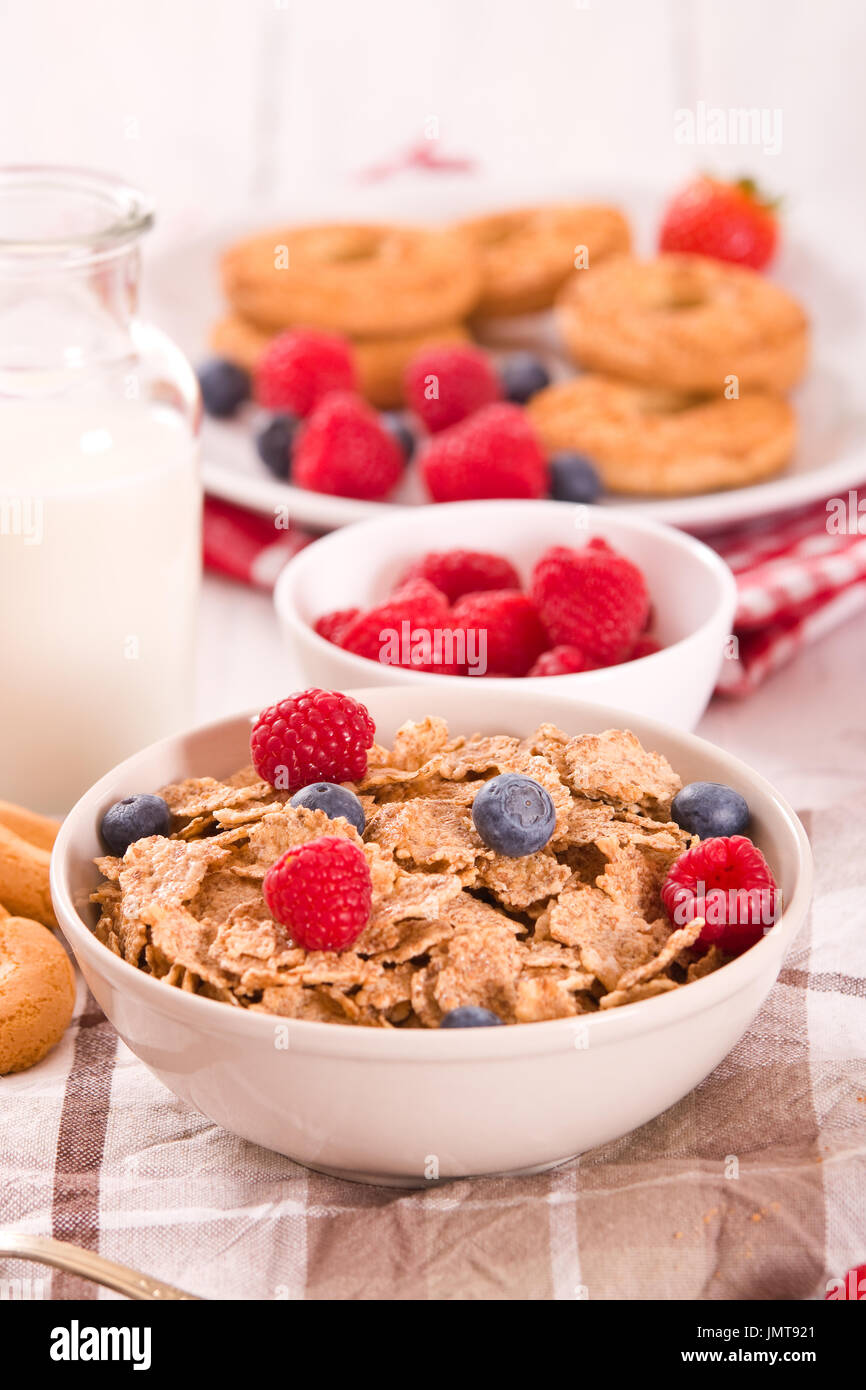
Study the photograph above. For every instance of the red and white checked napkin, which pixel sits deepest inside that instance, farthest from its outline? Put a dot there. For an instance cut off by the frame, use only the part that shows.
(246, 546)
(799, 575)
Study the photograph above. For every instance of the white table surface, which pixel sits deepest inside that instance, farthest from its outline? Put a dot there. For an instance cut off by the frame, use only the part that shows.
(805, 729)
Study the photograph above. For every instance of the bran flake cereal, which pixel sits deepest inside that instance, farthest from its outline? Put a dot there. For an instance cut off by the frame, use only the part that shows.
(569, 929)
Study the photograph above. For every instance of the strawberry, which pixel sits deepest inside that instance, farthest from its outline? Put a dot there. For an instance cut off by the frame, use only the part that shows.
(728, 221)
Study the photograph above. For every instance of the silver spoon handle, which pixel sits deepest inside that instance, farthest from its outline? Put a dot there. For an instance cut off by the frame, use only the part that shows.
(62, 1255)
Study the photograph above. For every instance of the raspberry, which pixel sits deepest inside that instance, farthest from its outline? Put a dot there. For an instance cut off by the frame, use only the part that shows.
(727, 881)
(446, 384)
(344, 450)
(321, 892)
(459, 572)
(297, 369)
(560, 661)
(507, 622)
(315, 736)
(644, 646)
(331, 626)
(410, 629)
(494, 453)
(593, 598)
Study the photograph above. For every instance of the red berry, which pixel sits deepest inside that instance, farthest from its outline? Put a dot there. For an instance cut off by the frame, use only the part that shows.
(851, 1289)
(332, 625)
(412, 628)
(459, 572)
(344, 450)
(508, 635)
(593, 599)
(727, 881)
(644, 646)
(321, 892)
(447, 384)
(729, 221)
(297, 369)
(316, 735)
(561, 661)
(494, 453)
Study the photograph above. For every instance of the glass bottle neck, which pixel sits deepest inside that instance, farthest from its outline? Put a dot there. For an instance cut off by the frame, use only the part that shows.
(68, 317)
(69, 270)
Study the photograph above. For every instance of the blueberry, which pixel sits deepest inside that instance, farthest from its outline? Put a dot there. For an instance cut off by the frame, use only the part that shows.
(224, 387)
(710, 809)
(573, 478)
(334, 800)
(396, 425)
(470, 1016)
(514, 814)
(522, 376)
(274, 444)
(133, 819)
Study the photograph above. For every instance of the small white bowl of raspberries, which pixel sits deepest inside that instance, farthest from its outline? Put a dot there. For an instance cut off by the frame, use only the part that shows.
(562, 598)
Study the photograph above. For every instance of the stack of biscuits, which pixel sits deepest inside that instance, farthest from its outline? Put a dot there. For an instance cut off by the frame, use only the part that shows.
(393, 290)
(685, 361)
(37, 983)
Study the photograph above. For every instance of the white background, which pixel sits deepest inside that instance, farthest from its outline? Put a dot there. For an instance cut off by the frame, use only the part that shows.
(216, 105)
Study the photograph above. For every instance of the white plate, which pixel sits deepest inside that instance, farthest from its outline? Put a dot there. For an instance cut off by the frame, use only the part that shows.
(826, 275)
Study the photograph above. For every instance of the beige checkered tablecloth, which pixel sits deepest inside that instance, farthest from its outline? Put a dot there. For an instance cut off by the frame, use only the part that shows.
(753, 1186)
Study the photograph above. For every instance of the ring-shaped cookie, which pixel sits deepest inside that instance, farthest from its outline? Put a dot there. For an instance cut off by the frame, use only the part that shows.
(684, 322)
(652, 442)
(366, 280)
(381, 362)
(37, 993)
(527, 253)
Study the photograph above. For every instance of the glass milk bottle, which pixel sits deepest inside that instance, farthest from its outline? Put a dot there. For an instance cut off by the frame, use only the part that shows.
(100, 498)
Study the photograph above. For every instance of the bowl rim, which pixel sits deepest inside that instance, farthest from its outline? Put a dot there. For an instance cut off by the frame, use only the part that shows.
(301, 568)
(430, 1044)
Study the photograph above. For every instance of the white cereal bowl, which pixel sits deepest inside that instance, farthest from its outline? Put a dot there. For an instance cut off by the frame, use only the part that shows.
(692, 590)
(401, 1107)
